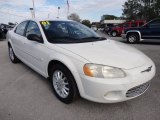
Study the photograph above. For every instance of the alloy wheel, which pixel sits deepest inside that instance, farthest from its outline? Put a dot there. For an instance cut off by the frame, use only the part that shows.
(60, 84)
(132, 39)
(114, 34)
(11, 54)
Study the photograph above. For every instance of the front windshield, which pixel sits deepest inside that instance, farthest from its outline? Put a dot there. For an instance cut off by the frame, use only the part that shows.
(68, 32)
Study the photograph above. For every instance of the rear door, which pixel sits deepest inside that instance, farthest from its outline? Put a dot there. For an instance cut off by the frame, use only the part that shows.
(17, 39)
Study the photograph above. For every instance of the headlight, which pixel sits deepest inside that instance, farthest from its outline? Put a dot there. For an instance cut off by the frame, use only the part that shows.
(102, 71)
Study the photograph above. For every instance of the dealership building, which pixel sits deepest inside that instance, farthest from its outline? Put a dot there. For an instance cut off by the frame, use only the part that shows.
(106, 22)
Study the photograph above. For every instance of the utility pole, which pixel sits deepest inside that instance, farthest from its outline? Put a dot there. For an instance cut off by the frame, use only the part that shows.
(32, 13)
(9, 16)
(48, 15)
(33, 9)
(68, 8)
(58, 12)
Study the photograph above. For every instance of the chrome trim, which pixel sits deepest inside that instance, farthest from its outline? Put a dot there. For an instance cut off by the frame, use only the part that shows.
(147, 70)
(123, 36)
(138, 90)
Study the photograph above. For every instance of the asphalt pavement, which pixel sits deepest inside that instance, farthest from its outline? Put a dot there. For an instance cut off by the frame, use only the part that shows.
(26, 95)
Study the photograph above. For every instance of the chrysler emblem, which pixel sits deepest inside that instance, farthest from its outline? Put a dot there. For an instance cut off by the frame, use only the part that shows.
(147, 70)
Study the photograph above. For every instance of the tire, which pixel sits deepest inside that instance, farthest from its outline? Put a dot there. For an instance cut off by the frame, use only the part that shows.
(133, 38)
(63, 83)
(114, 33)
(12, 55)
(3, 36)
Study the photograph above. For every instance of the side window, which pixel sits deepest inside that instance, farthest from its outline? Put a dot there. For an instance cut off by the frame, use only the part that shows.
(33, 29)
(120, 25)
(126, 25)
(141, 23)
(134, 24)
(21, 28)
(155, 24)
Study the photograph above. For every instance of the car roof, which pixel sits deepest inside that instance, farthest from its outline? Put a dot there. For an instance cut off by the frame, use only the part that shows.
(42, 19)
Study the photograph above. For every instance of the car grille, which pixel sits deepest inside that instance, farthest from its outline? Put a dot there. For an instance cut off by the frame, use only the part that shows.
(137, 90)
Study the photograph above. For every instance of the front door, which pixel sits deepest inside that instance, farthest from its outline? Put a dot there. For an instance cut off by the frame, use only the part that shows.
(155, 29)
(151, 30)
(36, 52)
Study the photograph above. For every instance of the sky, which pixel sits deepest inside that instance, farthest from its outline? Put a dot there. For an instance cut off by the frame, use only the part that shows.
(17, 10)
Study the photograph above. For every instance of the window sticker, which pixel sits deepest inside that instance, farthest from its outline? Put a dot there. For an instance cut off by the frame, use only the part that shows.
(45, 23)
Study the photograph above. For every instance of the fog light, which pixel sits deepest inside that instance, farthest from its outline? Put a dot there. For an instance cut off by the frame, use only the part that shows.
(114, 95)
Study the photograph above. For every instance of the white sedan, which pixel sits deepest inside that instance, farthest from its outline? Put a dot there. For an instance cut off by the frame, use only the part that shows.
(79, 62)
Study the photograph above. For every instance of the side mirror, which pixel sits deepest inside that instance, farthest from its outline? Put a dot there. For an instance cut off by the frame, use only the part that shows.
(34, 37)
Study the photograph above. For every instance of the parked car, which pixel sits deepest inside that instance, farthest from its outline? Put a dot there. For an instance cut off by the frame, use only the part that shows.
(94, 27)
(108, 29)
(150, 30)
(80, 62)
(117, 30)
(4, 29)
(101, 29)
(2, 34)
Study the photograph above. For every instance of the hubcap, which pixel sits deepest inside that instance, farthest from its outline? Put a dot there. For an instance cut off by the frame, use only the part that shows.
(11, 53)
(132, 39)
(114, 33)
(60, 84)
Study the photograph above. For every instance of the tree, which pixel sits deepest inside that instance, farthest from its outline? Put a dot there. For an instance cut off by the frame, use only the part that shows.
(131, 9)
(87, 23)
(141, 9)
(109, 17)
(74, 17)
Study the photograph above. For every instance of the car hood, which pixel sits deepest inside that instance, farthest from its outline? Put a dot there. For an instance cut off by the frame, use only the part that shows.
(109, 53)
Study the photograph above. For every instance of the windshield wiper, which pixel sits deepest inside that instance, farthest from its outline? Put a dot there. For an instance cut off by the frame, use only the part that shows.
(97, 38)
(71, 38)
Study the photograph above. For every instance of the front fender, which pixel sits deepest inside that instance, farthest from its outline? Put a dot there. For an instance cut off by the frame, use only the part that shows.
(134, 31)
(74, 65)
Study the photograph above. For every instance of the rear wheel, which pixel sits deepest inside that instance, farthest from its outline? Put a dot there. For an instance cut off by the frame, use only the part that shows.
(12, 55)
(133, 38)
(114, 33)
(64, 85)
(3, 36)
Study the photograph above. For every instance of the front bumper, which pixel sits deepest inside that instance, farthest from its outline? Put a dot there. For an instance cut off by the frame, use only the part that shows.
(117, 90)
(123, 36)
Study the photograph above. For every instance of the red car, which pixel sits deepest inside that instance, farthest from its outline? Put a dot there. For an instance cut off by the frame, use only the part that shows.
(117, 30)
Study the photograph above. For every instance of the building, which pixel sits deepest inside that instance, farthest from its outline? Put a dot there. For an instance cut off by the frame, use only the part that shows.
(111, 22)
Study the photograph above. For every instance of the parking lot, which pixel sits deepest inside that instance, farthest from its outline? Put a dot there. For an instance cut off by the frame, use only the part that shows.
(26, 95)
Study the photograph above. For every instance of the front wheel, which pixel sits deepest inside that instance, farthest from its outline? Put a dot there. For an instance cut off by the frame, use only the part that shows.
(133, 38)
(64, 85)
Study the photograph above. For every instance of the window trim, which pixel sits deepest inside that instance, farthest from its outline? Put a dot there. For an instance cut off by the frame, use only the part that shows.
(38, 27)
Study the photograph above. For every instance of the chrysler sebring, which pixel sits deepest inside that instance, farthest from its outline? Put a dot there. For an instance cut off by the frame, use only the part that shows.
(79, 62)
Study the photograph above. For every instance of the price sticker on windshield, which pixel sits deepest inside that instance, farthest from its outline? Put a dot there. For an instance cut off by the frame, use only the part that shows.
(45, 23)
